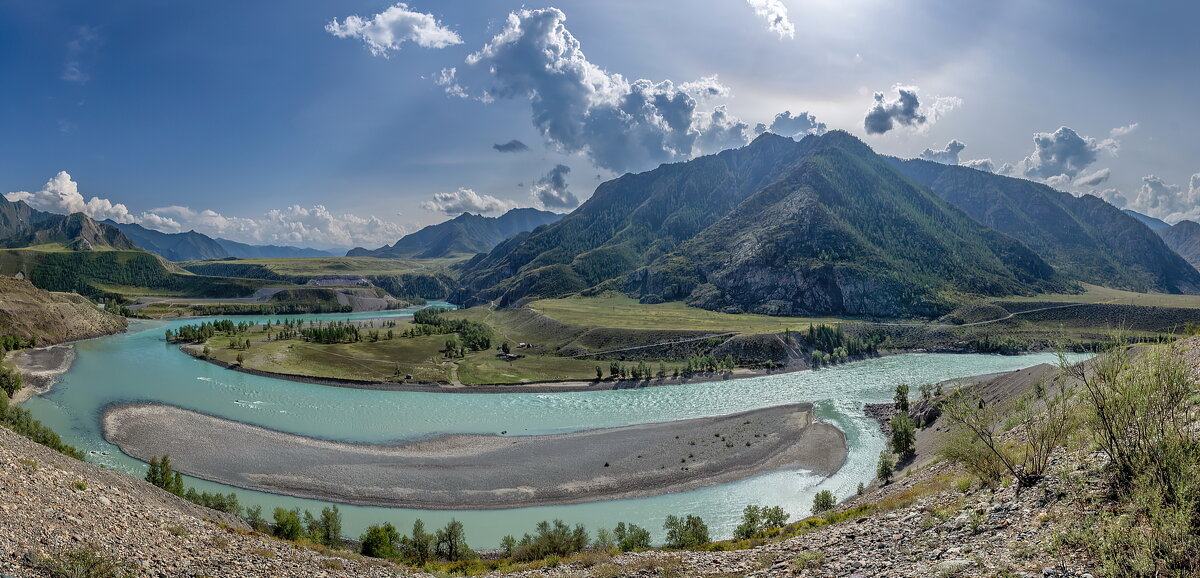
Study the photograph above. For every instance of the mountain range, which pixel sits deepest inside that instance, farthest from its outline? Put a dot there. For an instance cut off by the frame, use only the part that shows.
(1084, 237)
(24, 226)
(193, 246)
(825, 226)
(464, 235)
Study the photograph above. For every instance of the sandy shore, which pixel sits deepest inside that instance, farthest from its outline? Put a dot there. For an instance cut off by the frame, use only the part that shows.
(40, 368)
(483, 471)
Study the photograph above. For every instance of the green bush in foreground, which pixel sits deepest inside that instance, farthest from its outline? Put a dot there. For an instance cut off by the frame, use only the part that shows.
(823, 502)
(684, 533)
(759, 519)
(21, 422)
(83, 563)
(1143, 414)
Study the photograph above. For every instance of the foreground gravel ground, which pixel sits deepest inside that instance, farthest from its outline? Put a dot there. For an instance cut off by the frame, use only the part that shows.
(50, 504)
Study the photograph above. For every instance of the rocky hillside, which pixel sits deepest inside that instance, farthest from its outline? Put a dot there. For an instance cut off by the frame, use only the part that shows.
(22, 226)
(46, 318)
(53, 506)
(781, 227)
(466, 234)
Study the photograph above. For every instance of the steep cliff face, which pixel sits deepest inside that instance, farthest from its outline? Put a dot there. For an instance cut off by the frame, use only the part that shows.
(48, 318)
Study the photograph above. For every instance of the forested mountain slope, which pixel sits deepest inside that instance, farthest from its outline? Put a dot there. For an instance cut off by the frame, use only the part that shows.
(1084, 237)
(823, 225)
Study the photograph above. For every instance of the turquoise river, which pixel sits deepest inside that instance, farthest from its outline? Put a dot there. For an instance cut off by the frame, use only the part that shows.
(138, 366)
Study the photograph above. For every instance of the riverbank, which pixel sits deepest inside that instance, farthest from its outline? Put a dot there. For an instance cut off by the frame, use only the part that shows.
(474, 472)
(562, 386)
(41, 368)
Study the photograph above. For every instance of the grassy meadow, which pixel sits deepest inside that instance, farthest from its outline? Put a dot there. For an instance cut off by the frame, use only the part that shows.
(619, 311)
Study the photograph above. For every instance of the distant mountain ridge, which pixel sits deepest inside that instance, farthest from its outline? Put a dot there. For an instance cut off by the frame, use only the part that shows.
(246, 251)
(24, 226)
(1183, 238)
(1084, 237)
(466, 234)
(823, 225)
(193, 246)
(1155, 225)
(172, 246)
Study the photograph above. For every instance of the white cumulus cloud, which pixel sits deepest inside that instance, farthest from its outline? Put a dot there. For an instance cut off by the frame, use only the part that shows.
(294, 225)
(387, 31)
(578, 107)
(465, 200)
(776, 15)
(61, 195)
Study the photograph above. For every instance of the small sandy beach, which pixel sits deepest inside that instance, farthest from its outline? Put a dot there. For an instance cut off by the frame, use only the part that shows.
(483, 471)
(40, 368)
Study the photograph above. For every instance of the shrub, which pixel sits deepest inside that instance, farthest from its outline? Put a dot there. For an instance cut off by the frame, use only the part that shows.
(886, 467)
(631, 537)
(287, 524)
(380, 541)
(551, 538)
(10, 381)
(683, 533)
(1142, 413)
(758, 519)
(83, 563)
(1045, 420)
(904, 436)
(823, 502)
(451, 542)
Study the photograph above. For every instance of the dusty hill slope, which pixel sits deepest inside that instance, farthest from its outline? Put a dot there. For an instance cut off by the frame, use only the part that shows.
(46, 318)
(53, 504)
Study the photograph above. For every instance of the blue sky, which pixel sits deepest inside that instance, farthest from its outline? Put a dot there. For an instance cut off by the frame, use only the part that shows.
(255, 121)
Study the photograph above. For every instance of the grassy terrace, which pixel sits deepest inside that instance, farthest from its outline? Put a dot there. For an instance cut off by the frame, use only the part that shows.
(315, 266)
(392, 359)
(619, 311)
(1096, 294)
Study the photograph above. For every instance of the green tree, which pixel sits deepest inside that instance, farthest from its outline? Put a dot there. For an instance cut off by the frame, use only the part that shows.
(508, 544)
(683, 533)
(631, 537)
(506, 348)
(901, 398)
(452, 542)
(380, 541)
(599, 373)
(417, 548)
(886, 467)
(904, 436)
(255, 519)
(287, 524)
(10, 381)
(154, 474)
(823, 502)
(330, 528)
